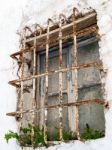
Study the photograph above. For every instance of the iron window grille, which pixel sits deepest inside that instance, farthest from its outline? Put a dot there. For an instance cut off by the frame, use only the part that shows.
(65, 32)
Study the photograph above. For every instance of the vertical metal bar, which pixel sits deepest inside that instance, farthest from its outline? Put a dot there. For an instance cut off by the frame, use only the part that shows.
(46, 85)
(76, 75)
(22, 87)
(33, 93)
(60, 81)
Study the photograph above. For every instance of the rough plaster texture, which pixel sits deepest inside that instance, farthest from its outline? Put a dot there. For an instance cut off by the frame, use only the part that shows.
(38, 11)
(10, 17)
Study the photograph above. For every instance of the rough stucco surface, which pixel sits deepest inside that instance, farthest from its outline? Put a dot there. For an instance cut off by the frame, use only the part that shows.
(10, 17)
(38, 11)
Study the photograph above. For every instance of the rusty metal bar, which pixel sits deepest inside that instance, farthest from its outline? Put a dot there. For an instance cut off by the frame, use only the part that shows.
(75, 75)
(60, 81)
(46, 83)
(33, 93)
(92, 29)
(40, 29)
(93, 14)
(46, 80)
(72, 104)
(81, 66)
(21, 105)
(23, 50)
(26, 28)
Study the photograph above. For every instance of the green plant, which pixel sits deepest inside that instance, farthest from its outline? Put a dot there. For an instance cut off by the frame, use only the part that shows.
(38, 136)
(67, 135)
(24, 138)
(91, 134)
(11, 135)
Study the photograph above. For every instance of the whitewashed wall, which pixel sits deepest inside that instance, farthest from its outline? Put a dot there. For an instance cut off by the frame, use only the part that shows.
(10, 18)
(38, 11)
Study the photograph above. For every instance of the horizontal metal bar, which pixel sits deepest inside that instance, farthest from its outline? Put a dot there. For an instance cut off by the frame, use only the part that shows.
(83, 32)
(93, 14)
(78, 103)
(22, 51)
(81, 66)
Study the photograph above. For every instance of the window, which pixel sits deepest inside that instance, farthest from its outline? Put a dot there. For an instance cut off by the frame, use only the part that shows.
(60, 86)
(89, 87)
